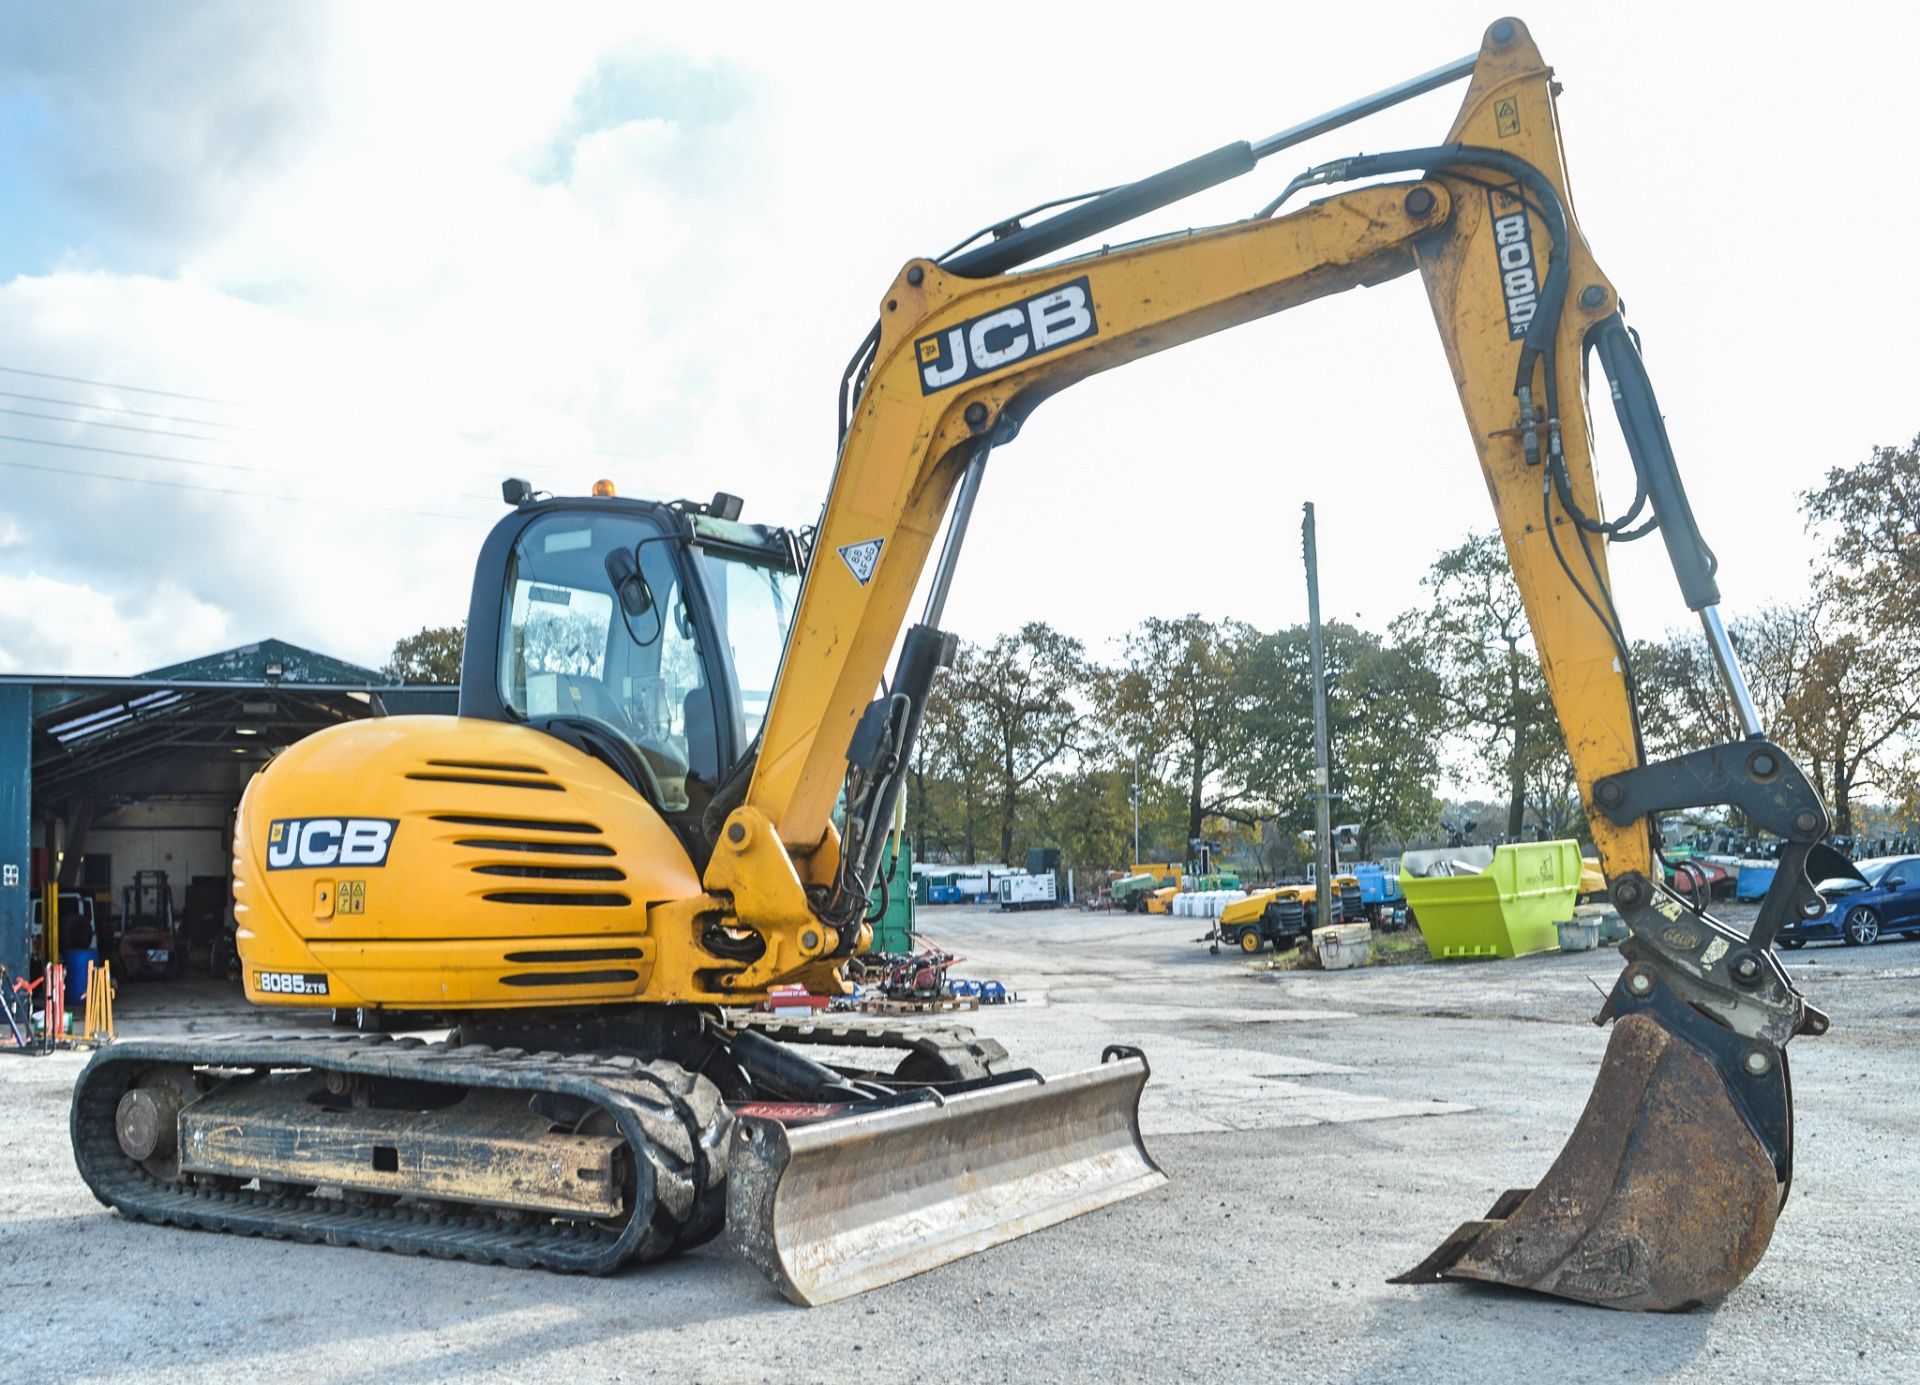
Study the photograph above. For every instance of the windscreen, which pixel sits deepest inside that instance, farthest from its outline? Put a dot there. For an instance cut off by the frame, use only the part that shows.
(754, 604)
(570, 649)
(1875, 871)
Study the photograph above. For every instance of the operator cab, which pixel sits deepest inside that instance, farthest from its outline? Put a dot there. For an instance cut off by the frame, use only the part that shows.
(645, 634)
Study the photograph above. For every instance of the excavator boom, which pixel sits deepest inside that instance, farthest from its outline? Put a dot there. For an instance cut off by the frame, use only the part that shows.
(1667, 1193)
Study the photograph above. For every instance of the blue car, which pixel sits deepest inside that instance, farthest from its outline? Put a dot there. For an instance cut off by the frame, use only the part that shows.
(1889, 902)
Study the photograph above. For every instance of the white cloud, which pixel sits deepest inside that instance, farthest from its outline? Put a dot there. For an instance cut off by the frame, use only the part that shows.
(478, 241)
(49, 625)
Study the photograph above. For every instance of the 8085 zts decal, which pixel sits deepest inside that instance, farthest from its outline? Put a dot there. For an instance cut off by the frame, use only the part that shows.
(290, 982)
(301, 843)
(1044, 322)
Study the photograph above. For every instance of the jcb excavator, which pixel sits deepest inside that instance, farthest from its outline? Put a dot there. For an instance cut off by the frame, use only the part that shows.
(630, 832)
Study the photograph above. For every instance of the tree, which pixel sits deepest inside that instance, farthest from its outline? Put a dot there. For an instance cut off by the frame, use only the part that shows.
(1087, 812)
(1476, 640)
(1016, 704)
(1387, 755)
(1848, 704)
(1553, 796)
(432, 656)
(1870, 514)
(1179, 701)
(1847, 714)
(1682, 700)
(949, 779)
(1383, 731)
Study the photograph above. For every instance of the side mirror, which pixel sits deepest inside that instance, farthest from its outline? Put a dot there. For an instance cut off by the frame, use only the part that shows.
(1897, 883)
(623, 570)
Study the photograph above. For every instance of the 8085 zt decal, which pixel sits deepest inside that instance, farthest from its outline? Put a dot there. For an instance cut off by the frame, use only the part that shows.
(1041, 323)
(1513, 250)
(301, 843)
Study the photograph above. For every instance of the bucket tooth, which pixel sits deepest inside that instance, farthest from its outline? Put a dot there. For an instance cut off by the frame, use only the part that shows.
(832, 1209)
(1663, 1198)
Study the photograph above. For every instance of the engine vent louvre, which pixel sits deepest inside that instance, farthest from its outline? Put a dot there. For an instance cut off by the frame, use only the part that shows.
(555, 872)
(559, 899)
(547, 848)
(570, 978)
(517, 824)
(485, 779)
(497, 766)
(580, 954)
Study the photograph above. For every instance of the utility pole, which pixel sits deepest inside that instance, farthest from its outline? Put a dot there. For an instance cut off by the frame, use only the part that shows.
(1324, 912)
(1136, 803)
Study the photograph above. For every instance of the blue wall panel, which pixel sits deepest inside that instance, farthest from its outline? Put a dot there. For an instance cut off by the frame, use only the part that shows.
(16, 825)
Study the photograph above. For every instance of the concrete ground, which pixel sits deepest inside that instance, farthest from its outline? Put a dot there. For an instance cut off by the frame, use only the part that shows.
(1323, 1131)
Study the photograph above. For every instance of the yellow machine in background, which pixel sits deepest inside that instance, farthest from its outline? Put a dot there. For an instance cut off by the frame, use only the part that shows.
(1284, 915)
(671, 784)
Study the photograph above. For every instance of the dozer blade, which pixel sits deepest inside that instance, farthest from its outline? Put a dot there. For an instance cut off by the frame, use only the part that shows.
(1666, 1194)
(835, 1208)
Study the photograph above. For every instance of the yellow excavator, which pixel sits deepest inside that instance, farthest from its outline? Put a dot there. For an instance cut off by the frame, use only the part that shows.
(670, 788)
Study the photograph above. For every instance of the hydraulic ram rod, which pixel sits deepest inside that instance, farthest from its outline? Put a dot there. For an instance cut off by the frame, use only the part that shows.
(1122, 204)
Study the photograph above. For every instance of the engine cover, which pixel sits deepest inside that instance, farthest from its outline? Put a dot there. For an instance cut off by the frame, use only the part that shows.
(446, 863)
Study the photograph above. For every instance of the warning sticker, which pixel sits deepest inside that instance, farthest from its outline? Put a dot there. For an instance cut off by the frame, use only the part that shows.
(1506, 117)
(862, 558)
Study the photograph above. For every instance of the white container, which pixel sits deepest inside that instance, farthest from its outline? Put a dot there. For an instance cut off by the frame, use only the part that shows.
(1342, 945)
(1025, 891)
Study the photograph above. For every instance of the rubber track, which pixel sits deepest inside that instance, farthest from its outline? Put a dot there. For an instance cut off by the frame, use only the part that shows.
(624, 1086)
(965, 1053)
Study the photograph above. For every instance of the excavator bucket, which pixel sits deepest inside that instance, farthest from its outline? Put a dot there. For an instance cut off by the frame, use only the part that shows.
(1666, 1194)
(832, 1209)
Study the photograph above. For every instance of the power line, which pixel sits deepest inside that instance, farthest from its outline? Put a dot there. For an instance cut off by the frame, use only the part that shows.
(248, 467)
(123, 427)
(131, 389)
(186, 437)
(357, 505)
(116, 409)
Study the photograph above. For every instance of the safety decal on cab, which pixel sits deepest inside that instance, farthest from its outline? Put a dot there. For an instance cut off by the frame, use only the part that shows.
(862, 558)
(290, 982)
(1045, 322)
(1513, 251)
(301, 843)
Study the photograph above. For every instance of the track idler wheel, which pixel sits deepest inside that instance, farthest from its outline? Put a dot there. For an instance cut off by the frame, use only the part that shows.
(147, 1120)
(1665, 1195)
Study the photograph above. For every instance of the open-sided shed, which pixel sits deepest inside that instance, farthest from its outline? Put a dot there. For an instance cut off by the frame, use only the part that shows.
(101, 777)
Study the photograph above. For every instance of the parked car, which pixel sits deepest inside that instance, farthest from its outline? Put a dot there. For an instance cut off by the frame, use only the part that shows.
(1889, 902)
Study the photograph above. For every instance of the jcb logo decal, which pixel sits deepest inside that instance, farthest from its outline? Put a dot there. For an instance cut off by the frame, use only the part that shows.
(298, 843)
(1034, 325)
(1513, 249)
